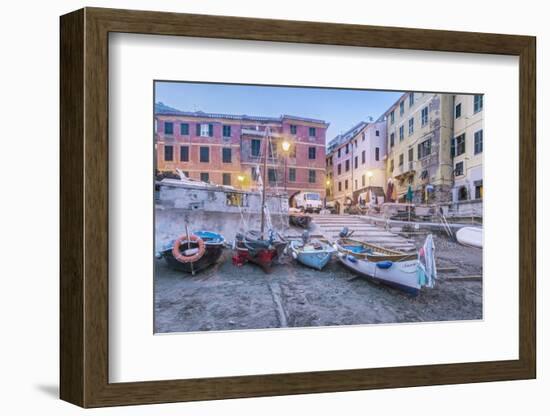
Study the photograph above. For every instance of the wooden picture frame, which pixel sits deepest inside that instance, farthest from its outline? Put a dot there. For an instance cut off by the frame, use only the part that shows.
(84, 207)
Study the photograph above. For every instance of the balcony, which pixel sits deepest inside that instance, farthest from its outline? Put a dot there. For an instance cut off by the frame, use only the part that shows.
(404, 170)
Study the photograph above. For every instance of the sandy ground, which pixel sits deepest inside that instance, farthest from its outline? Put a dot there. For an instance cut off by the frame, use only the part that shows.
(225, 297)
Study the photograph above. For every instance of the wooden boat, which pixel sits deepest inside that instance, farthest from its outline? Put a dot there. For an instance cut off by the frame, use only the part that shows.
(315, 254)
(261, 247)
(250, 247)
(470, 236)
(197, 251)
(404, 271)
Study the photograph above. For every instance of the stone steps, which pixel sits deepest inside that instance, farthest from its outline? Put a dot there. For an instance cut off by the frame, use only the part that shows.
(330, 228)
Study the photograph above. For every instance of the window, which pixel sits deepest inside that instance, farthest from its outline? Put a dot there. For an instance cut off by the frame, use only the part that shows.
(392, 139)
(339, 168)
(272, 150)
(255, 147)
(392, 117)
(459, 169)
(184, 129)
(347, 148)
(478, 103)
(312, 178)
(424, 149)
(478, 189)
(424, 116)
(363, 180)
(339, 186)
(458, 110)
(236, 199)
(312, 132)
(377, 133)
(377, 153)
(204, 154)
(292, 174)
(478, 142)
(356, 162)
(356, 187)
(272, 175)
(391, 166)
(205, 177)
(363, 137)
(226, 177)
(347, 165)
(168, 153)
(293, 129)
(411, 126)
(339, 152)
(226, 131)
(411, 99)
(312, 153)
(292, 152)
(401, 108)
(462, 193)
(364, 157)
(346, 184)
(205, 130)
(401, 133)
(254, 173)
(184, 154)
(411, 154)
(168, 127)
(458, 145)
(226, 155)
(401, 159)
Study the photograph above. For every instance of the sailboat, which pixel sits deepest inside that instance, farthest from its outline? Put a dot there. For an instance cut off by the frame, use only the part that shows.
(263, 246)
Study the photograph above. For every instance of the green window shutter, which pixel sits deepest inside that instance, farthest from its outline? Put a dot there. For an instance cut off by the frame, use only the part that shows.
(210, 130)
(198, 129)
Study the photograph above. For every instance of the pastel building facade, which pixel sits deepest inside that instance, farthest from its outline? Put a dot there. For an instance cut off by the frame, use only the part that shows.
(467, 148)
(227, 149)
(356, 162)
(419, 138)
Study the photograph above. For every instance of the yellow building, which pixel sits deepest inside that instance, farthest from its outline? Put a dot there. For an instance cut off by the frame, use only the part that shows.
(419, 137)
(467, 148)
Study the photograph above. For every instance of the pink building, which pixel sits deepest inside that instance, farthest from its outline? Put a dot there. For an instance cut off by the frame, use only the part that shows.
(226, 149)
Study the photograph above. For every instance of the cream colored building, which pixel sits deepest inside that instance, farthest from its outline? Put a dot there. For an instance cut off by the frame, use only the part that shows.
(356, 162)
(467, 148)
(419, 136)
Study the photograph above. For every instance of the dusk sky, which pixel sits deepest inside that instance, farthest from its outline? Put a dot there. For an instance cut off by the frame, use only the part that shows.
(341, 108)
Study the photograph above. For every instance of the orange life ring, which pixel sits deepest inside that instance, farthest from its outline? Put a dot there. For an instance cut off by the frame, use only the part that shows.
(182, 258)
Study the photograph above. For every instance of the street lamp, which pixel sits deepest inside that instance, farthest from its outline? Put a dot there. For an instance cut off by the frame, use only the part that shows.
(370, 175)
(240, 178)
(286, 147)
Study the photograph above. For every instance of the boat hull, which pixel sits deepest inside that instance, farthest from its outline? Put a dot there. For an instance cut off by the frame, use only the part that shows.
(316, 259)
(213, 244)
(211, 256)
(400, 275)
(470, 236)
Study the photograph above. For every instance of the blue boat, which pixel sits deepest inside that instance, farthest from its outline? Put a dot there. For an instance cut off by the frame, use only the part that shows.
(315, 254)
(196, 251)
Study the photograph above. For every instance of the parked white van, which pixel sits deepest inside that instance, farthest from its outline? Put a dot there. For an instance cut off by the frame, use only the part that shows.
(308, 201)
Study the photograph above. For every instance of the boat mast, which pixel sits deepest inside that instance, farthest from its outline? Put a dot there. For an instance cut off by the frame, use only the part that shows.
(264, 179)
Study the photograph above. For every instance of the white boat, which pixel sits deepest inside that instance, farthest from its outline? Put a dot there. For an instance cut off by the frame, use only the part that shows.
(470, 236)
(404, 271)
(315, 254)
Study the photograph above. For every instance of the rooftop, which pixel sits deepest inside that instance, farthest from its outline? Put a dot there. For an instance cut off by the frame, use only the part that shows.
(163, 109)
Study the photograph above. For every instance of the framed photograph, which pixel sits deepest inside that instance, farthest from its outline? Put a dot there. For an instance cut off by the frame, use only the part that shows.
(255, 207)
